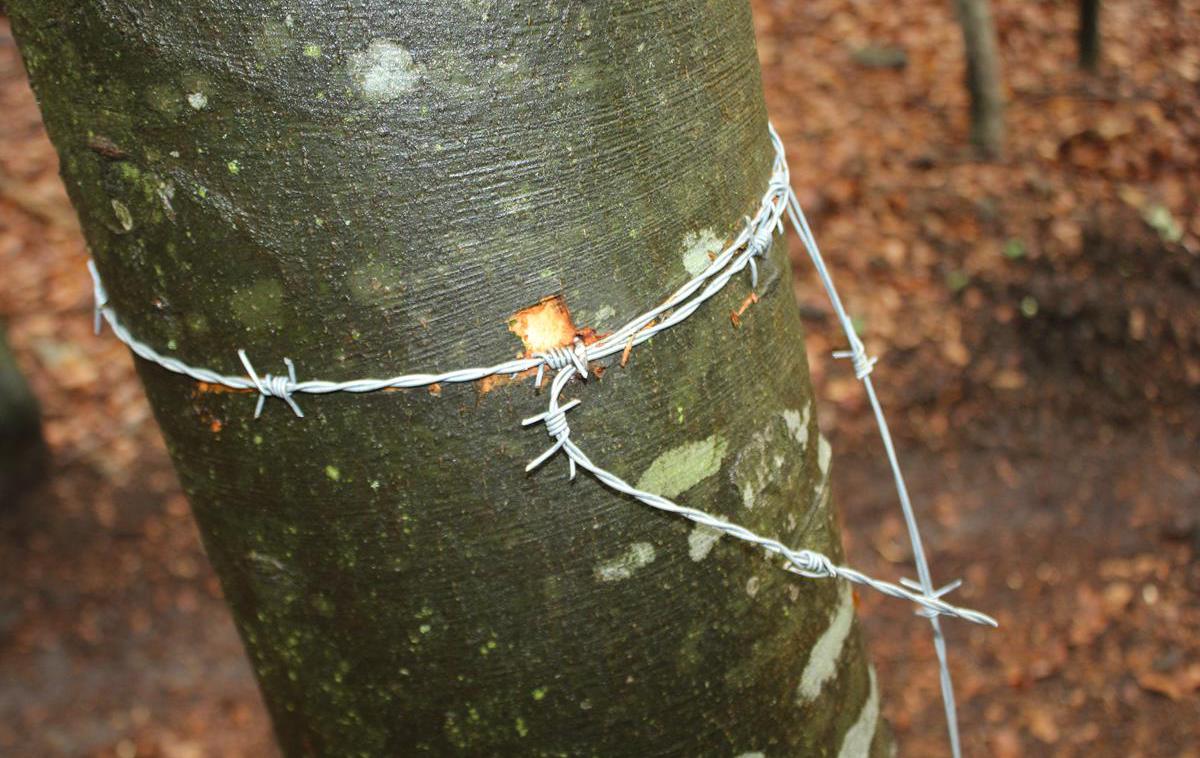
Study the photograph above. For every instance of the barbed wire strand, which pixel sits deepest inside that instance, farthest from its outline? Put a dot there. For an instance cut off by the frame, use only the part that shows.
(863, 366)
(751, 243)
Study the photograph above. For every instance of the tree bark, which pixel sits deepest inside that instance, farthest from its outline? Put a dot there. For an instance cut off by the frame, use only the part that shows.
(376, 188)
(22, 448)
(982, 76)
(1089, 34)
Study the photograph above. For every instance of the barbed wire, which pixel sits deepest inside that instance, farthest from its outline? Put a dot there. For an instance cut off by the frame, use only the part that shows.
(863, 365)
(751, 243)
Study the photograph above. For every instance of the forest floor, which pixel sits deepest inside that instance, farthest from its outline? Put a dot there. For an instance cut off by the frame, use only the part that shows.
(1039, 342)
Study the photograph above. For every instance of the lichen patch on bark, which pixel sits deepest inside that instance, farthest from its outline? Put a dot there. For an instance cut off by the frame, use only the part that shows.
(824, 656)
(624, 565)
(385, 71)
(797, 424)
(770, 454)
(824, 454)
(858, 739)
(701, 540)
(699, 249)
(681, 468)
(752, 585)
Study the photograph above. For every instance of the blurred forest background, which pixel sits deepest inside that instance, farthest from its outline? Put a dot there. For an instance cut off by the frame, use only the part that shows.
(1037, 320)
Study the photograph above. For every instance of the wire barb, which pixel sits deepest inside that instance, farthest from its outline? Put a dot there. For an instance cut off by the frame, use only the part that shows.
(937, 594)
(270, 385)
(558, 358)
(863, 364)
(555, 419)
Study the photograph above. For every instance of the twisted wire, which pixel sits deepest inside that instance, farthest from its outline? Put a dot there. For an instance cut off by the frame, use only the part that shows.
(863, 365)
(751, 244)
(805, 562)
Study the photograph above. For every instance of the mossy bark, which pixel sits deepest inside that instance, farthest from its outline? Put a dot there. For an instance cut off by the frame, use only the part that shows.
(375, 188)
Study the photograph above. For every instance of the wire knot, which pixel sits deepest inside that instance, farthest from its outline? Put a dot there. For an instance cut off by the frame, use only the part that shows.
(757, 247)
(863, 363)
(559, 358)
(555, 419)
(809, 564)
(270, 385)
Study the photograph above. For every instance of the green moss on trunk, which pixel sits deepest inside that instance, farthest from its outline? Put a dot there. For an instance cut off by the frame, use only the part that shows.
(375, 188)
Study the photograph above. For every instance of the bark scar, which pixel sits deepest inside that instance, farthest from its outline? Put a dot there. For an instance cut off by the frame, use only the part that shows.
(543, 326)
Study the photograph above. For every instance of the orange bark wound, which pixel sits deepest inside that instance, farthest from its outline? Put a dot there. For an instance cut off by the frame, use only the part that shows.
(203, 387)
(544, 326)
(489, 383)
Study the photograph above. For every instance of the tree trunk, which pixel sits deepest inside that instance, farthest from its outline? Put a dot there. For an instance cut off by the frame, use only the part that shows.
(22, 449)
(983, 76)
(1089, 34)
(376, 188)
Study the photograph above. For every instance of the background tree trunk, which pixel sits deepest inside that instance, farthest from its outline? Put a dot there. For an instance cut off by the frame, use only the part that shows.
(983, 76)
(370, 188)
(22, 450)
(1089, 34)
